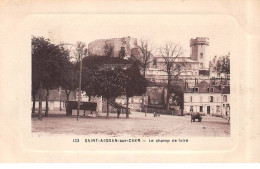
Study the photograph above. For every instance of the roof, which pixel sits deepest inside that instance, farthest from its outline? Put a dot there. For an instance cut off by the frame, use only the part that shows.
(203, 87)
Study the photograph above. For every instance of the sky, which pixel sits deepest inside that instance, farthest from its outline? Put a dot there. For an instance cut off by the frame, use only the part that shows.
(157, 28)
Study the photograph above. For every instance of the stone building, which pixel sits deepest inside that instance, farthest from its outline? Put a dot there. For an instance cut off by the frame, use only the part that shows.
(56, 101)
(195, 68)
(198, 47)
(206, 98)
(113, 47)
(203, 98)
(225, 96)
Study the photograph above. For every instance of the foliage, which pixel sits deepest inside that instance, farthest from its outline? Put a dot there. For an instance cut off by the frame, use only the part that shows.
(136, 84)
(122, 53)
(110, 82)
(178, 97)
(47, 62)
(108, 50)
(223, 64)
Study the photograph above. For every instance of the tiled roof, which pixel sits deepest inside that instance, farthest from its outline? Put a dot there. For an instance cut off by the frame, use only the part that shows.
(203, 87)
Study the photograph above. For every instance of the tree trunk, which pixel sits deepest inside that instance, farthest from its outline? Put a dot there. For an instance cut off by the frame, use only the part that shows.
(127, 104)
(66, 104)
(47, 103)
(107, 109)
(89, 98)
(60, 97)
(33, 108)
(168, 96)
(182, 111)
(144, 73)
(40, 102)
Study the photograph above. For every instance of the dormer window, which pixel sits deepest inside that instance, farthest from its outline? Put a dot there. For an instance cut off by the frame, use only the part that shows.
(211, 90)
(196, 90)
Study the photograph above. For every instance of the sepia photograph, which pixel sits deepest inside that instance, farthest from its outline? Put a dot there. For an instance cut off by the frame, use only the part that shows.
(133, 78)
(173, 81)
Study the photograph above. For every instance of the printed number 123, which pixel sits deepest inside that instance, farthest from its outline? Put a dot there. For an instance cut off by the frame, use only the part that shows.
(75, 140)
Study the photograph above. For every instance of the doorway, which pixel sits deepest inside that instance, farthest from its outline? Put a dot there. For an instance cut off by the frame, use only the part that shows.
(208, 109)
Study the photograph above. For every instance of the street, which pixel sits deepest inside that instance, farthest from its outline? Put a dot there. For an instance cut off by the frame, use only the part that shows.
(137, 125)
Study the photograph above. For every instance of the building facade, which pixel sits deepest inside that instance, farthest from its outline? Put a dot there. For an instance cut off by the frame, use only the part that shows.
(207, 99)
(56, 101)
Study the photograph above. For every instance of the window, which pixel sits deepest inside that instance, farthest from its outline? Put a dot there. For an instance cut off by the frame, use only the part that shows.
(191, 99)
(196, 90)
(211, 99)
(154, 63)
(211, 90)
(201, 55)
(201, 108)
(224, 98)
(191, 108)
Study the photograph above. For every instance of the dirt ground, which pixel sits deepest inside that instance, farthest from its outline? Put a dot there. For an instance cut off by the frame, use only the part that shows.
(137, 125)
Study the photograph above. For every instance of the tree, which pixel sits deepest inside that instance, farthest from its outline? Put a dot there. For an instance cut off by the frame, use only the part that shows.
(223, 65)
(34, 92)
(122, 53)
(111, 84)
(178, 97)
(46, 67)
(147, 51)
(136, 84)
(103, 77)
(69, 80)
(108, 49)
(170, 53)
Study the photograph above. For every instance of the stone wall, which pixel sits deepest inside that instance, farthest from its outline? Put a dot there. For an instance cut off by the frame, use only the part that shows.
(97, 47)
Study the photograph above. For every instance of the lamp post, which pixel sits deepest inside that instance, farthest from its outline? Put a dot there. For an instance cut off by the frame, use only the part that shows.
(79, 93)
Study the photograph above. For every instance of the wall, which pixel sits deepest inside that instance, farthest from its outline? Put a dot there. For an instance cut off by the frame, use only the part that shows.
(97, 47)
(202, 99)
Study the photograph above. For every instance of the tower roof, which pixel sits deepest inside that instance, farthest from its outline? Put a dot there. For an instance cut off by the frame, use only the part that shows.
(199, 41)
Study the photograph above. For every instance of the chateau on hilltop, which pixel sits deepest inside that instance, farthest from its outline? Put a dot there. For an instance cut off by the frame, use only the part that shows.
(196, 69)
(113, 46)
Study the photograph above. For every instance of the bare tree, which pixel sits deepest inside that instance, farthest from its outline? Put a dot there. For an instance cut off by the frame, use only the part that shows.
(172, 64)
(147, 51)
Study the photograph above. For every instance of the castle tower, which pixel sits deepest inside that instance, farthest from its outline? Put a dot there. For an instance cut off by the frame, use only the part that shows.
(198, 53)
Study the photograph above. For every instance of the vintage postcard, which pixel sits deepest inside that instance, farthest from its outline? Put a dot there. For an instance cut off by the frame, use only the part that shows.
(168, 81)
